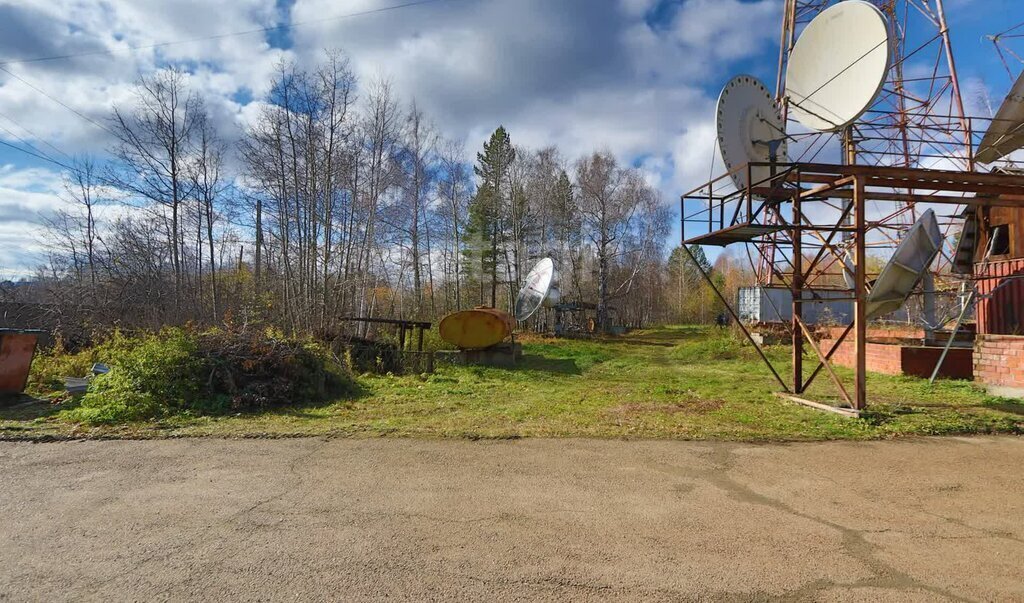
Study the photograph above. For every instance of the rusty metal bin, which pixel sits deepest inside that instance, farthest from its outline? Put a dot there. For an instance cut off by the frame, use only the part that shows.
(17, 347)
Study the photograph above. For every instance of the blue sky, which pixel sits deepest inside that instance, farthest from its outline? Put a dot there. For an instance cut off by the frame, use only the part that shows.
(637, 77)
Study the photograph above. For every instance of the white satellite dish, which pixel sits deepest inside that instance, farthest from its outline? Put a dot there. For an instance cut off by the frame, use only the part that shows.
(1006, 133)
(838, 66)
(541, 289)
(750, 129)
(907, 266)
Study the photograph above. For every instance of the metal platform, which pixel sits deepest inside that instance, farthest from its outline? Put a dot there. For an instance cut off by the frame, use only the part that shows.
(739, 233)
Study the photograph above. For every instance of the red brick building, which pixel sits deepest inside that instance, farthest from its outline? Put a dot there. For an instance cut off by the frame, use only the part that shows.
(999, 346)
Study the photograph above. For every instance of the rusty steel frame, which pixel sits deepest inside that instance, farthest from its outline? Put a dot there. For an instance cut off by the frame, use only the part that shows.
(797, 184)
(914, 121)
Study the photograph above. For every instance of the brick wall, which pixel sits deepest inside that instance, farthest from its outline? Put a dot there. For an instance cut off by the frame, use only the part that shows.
(897, 359)
(999, 360)
(889, 332)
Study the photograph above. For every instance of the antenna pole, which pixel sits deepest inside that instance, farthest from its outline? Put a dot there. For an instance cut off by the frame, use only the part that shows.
(849, 158)
(860, 295)
(849, 147)
(955, 81)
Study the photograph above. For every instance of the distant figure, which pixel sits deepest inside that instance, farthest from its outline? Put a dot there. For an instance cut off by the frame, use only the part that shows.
(722, 320)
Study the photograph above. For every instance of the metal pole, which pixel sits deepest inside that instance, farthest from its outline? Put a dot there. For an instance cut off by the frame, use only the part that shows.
(732, 313)
(835, 347)
(928, 288)
(860, 294)
(952, 336)
(797, 286)
(682, 219)
(957, 97)
(964, 309)
(825, 363)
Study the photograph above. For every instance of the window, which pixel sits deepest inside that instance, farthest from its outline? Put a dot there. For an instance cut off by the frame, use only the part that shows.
(999, 239)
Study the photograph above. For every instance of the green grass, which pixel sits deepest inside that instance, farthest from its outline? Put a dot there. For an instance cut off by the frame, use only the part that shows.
(675, 382)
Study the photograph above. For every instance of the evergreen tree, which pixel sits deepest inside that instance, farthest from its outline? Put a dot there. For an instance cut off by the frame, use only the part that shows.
(487, 209)
(691, 296)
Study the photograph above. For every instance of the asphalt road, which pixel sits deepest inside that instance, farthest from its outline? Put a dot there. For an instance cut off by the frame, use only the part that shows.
(919, 520)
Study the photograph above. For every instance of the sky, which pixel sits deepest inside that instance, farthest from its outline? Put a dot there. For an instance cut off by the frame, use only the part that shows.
(636, 77)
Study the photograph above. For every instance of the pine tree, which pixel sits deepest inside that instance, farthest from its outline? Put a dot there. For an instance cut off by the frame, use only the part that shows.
(691, 294)
(487, 209)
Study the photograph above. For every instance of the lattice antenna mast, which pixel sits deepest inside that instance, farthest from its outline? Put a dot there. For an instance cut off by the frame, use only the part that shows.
(916, 121)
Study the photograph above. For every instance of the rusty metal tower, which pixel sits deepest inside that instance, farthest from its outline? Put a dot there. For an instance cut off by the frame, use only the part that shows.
(886, 138)
(918, 120)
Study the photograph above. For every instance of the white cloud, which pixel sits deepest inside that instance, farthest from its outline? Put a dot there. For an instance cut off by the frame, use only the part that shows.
(580, 74)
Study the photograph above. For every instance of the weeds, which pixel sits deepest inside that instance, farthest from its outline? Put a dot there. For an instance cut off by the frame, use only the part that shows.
(676, 382)
(178, 371)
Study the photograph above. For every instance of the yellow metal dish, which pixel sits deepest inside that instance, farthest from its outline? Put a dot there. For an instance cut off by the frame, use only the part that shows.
(476, 329)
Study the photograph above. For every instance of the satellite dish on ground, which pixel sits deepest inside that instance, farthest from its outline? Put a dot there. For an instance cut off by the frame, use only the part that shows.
(907, 266)
(1006, 132)
(541, 289)
(476, 329)
(838, 65)
(750, 129)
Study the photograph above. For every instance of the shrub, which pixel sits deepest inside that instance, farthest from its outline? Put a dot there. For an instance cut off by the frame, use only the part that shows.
(179, 371)
(715, 346)
(252, 372)
(50, 367)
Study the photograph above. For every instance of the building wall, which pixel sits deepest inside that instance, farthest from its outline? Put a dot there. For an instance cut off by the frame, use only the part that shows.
(890, 356)
(999, 362)
(1003, 313)
(993, 216)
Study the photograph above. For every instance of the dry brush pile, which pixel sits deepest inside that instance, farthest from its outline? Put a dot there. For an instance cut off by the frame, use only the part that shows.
(179, 370)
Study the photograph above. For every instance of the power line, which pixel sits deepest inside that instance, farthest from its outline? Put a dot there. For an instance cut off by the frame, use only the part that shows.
(38, 156)
(33, 135)
(262, 30)
(27, 144)
(56, 100)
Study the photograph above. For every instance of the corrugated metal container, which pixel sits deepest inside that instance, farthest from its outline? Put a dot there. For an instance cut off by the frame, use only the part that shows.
(775, 304)
(1003, 312)
(17, 347)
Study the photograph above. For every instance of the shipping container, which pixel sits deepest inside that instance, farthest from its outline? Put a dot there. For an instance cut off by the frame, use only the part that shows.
(775, 305)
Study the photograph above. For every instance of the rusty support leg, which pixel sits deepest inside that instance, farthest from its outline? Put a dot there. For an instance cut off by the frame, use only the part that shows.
(797, 285)
(835, 347)
(736, 318)
(825, 363)
(860, 295)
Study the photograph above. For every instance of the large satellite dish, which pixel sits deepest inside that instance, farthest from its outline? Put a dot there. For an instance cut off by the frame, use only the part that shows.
(541, 289)
(750, 129)
(1006, 133)
(838, 66)
(907, 266)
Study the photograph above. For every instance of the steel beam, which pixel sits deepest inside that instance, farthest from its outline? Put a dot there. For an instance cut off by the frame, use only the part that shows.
(860, 293)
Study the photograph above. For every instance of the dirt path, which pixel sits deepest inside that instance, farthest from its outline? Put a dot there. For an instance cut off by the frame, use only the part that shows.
(922, 520)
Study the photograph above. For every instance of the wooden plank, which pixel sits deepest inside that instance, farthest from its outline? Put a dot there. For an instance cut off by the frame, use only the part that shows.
(843, 412)
(390, 321)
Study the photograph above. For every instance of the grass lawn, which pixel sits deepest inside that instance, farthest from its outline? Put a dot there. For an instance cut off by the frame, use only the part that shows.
(674, 382)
